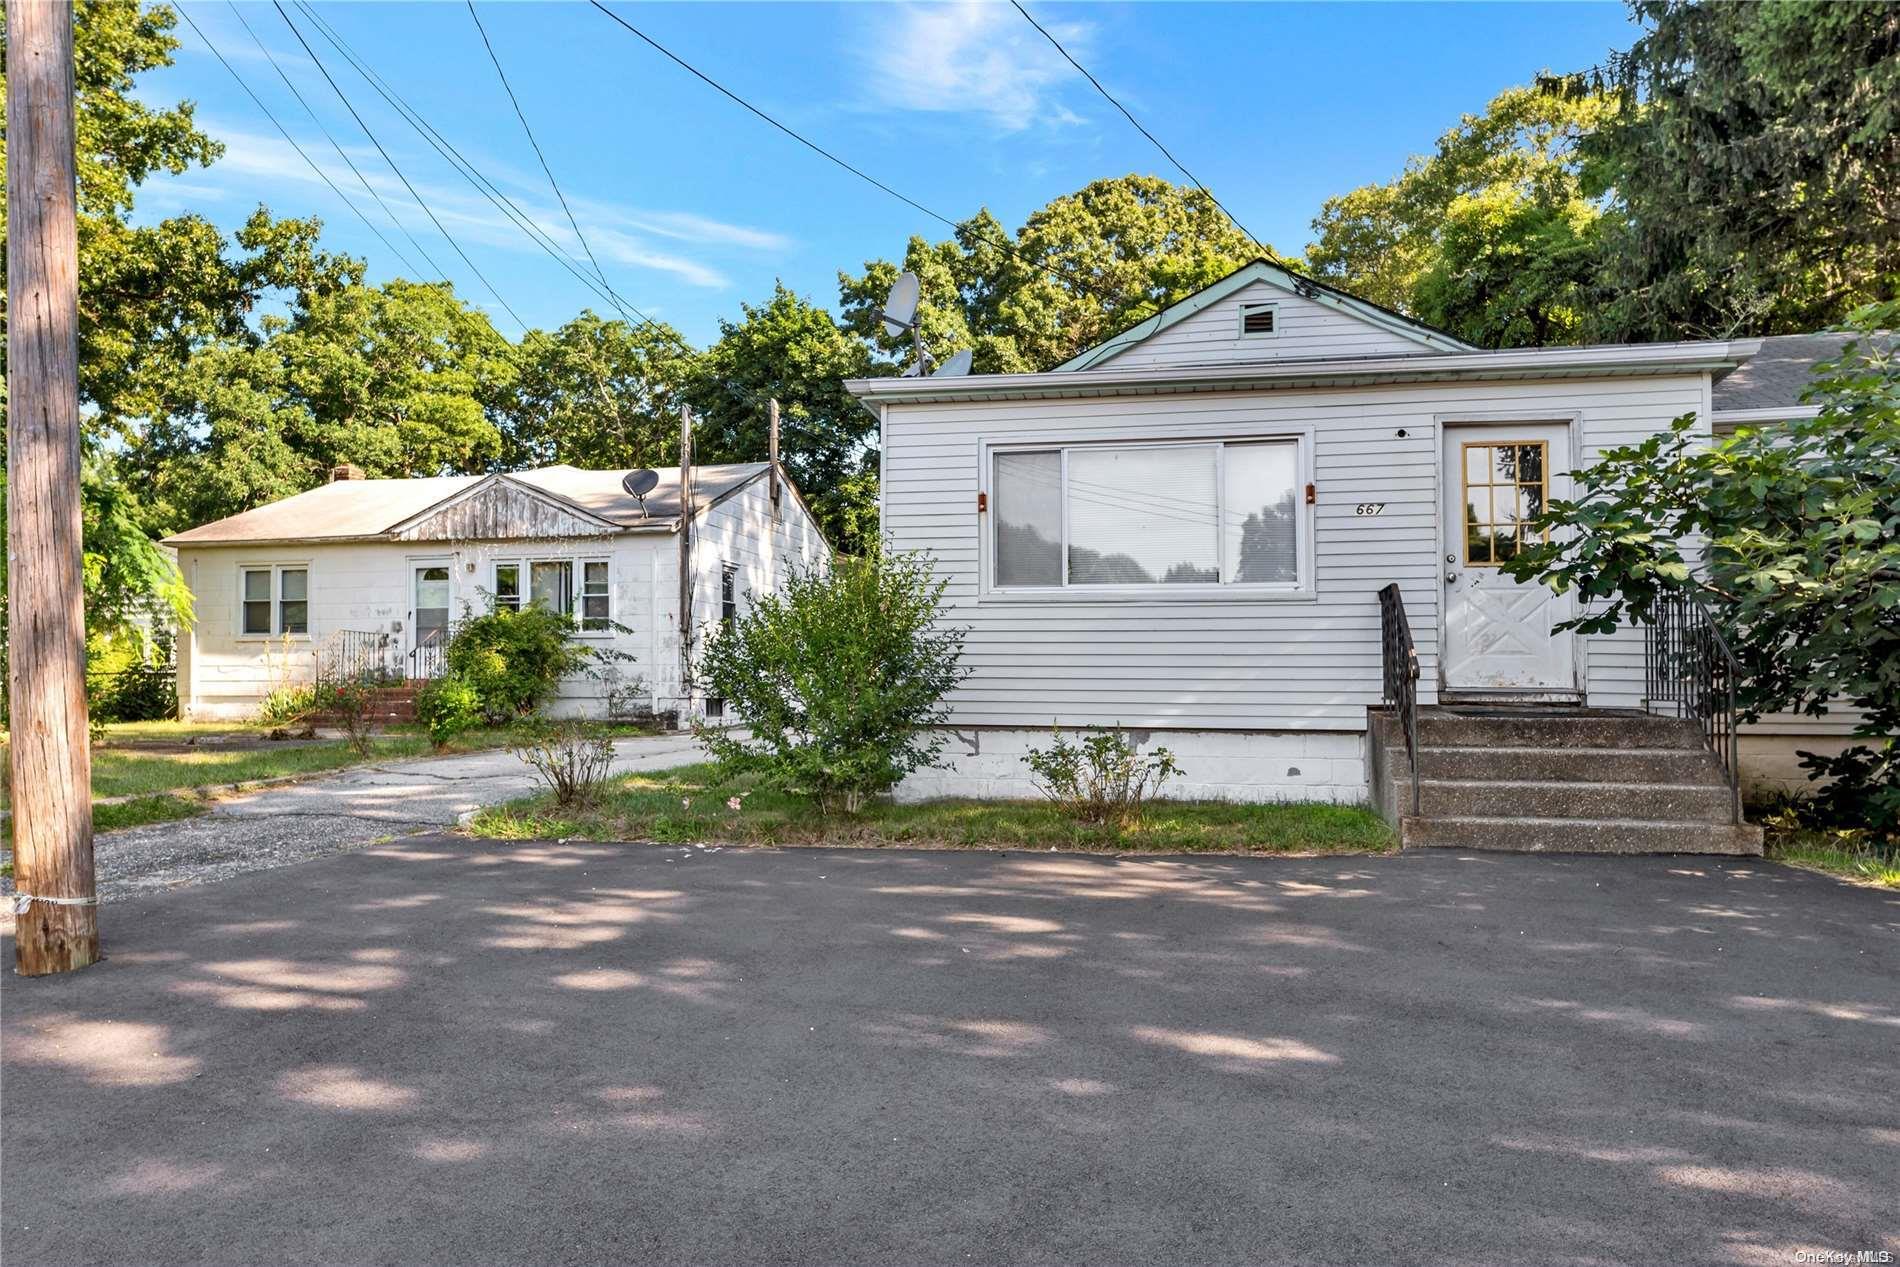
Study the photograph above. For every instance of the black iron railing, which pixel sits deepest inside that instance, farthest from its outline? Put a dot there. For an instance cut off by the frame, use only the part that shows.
(1401, 674)
(1690, 672)
(356, 656)
(425, 661)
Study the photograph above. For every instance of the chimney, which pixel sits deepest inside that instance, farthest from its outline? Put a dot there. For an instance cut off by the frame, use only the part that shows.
(348, 471)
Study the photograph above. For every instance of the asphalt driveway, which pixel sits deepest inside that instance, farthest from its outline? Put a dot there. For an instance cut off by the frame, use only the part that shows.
(445, 1051)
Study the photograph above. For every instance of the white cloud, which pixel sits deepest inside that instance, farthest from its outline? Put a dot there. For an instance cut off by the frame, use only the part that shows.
(618, 234)
(976, 58)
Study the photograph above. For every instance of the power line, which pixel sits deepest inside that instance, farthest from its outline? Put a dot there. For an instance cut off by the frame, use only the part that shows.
(340, 152)
(552, 183)
(392, 166)
(1155, 140)
(285, 132)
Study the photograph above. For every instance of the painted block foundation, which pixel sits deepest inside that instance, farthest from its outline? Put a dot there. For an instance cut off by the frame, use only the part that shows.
(986, 763)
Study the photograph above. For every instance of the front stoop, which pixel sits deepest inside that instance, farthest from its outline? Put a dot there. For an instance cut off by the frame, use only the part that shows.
(1555, 780)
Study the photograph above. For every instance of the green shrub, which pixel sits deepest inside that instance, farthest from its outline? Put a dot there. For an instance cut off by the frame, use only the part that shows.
(448, 706)
(513, 659)
(348, 703)
(287, 705)
(1103, 779)
(571, 758)
(839, 678)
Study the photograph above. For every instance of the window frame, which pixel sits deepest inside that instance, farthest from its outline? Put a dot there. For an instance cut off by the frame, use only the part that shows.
(1240, 319)
(275, 570)
(1302, 589)
(576, 586)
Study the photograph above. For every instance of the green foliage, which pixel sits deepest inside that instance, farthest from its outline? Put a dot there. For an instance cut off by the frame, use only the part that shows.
(572, 759)
(1103, 779)
(788, 349)
(513, 659)
(287, 705)
(839, 677)
(348, 704)
(449, 706)
(1492, 237)
(597, 393)
(1802, 568)
(1119, 251)
(1756, 187)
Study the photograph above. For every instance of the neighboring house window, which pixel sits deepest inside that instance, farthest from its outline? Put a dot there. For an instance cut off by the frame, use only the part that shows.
(508, 586)
(1212, 514)
(728, 593)
(550, 584)
(276, 600)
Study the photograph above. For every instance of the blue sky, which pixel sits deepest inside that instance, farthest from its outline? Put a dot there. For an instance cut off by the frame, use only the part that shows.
(693, 205)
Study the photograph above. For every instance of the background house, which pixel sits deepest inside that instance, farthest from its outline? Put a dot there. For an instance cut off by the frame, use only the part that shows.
(383, 568)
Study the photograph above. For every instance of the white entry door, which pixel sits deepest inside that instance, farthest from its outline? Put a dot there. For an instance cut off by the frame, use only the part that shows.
(1498, 633)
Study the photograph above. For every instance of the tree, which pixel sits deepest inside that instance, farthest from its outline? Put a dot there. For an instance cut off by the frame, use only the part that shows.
(1755, 174)
(1083, 268)
(790, 349)
(596, 393)
(1802, 568)
(1492, 237)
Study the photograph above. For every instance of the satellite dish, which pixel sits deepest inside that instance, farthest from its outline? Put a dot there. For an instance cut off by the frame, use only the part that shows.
(638, 484)
(957, 366)
(900, 306)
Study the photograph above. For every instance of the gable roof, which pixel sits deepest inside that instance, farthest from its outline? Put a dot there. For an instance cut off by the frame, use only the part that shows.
(1774, 378)
(367, 510)
(1430, 340)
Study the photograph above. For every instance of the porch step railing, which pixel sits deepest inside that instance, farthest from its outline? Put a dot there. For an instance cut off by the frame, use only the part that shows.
(1690, 672)
(1401, 674)
(425, 660)
(359, 656)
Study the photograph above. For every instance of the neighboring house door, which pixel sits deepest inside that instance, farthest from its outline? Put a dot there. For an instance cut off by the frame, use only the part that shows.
(431, 623)
(1498, 633)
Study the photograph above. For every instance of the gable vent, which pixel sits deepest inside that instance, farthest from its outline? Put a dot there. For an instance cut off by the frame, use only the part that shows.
(1256, 319)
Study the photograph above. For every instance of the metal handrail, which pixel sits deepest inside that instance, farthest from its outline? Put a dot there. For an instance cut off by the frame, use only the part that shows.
(1690, 672)
(425, 659)
(1401, 674)
(354, 656)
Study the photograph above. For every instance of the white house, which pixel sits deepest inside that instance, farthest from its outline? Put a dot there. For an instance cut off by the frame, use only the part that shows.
(1184, 532)
(374, 572)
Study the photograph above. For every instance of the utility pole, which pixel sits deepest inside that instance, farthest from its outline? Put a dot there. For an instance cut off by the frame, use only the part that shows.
(772, 478)
(56, 910)
(686, 558)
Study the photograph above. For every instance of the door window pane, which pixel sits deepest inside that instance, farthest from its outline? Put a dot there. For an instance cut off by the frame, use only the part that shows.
(551, 585)
(1504, 491)
(1028, 510)
(1142, 516)
(257, 602)
(508, 586)
(293, 585)
(1260, 518)
(594, 596)
(432, 603)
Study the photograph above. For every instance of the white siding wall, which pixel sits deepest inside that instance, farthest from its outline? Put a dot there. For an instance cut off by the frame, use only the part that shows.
(1235, 664)
(1304, 328)
(369, 587)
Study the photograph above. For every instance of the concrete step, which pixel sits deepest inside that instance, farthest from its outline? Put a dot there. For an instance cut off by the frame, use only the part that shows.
(1698, 802)
(1555, 730)
(1579, 835)
(1567, 765)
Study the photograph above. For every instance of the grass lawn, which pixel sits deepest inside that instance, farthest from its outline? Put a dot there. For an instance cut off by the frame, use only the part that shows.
(691, 803)
(1829, 852)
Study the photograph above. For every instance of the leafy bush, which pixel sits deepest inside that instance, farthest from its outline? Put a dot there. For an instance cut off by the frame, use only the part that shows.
(1802, 566)
(571, 758)
(348, 703)
(287, 704)
(1104, 779)
(839, 678)
(513, 659)
(448, 706)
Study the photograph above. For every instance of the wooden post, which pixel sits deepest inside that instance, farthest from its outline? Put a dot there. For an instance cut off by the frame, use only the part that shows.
(686, 557)
(50, 762)
(772, 478)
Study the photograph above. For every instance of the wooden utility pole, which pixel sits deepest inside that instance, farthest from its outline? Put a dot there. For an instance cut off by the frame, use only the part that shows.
(772, 478)
(686, 556)
(56, 910)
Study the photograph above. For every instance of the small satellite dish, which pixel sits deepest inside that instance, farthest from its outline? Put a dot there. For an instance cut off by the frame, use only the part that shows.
(900, 306)
(638, 484)
(955, 367)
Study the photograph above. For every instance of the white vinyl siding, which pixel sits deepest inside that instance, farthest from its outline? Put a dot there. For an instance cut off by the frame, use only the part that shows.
(1199, 658)
(1302, 328)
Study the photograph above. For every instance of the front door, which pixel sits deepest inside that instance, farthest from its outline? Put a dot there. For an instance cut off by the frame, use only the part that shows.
(1499, 634)
(431, 622)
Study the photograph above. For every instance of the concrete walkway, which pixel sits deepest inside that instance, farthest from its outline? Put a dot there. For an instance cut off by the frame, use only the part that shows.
(295, 822)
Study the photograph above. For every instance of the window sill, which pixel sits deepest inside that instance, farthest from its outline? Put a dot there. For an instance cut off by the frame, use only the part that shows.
(302, 637)
(1146, 597)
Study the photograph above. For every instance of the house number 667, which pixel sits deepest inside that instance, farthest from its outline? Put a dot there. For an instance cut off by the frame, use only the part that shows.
(1369, 508)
